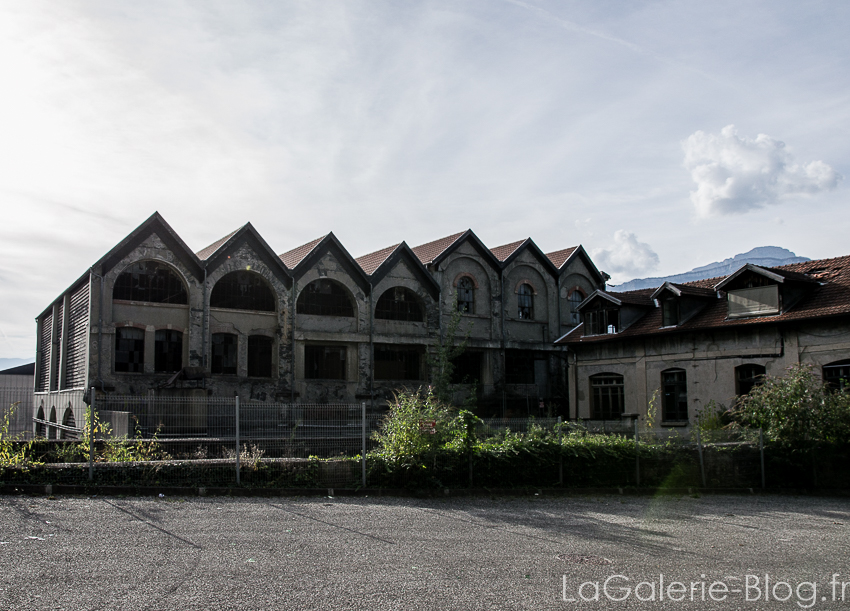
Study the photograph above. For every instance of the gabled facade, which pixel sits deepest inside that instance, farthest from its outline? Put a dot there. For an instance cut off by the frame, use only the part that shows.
(313, 325)
(709, 340)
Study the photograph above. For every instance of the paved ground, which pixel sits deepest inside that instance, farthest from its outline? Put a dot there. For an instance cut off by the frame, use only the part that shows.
(380, 553)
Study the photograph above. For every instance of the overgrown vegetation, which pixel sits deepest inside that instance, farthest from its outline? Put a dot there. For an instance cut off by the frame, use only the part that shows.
(13, 452)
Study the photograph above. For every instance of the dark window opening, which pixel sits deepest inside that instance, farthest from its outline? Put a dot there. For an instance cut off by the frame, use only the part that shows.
(69, 421)
(39, 426)
(150, 281)
(467, 368)
(397, 363)
(325, 298)
(670, 312)
(601, 320)
(466, 295)
(168, 351)
(575, 298)
(836, 376)
(519, 367)
(608, 396)
(51, 430)
(525, 302)
(129, 350)
(260, 356)
(324, 362)
(747, 377)
(243, 290)
(224, 353)
(399, 303)
(675, 401)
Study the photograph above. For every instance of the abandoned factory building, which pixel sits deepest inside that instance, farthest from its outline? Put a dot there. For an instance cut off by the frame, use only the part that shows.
(313, 324)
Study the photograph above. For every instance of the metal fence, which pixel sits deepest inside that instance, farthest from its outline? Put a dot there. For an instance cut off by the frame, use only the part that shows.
(17, 410)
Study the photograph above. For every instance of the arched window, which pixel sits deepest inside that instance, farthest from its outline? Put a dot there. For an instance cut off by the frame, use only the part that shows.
(150, 281)
(39, 426)
(399, 303)
(68, 420)
(608, 392)
(837, 375)
(224, 353)
(260, 356)
(674, 407)
(51, 430)
(466, 295)
(525, 302)
(748, 376)
(243, 290)
(575, 298)
(129, 350)
(325, 298)
(168, 351)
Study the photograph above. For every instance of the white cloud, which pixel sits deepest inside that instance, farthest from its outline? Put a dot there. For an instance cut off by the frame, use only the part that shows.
(627, 256)
(736, 174)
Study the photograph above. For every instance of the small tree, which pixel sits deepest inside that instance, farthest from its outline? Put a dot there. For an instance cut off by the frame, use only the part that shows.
(447, 350)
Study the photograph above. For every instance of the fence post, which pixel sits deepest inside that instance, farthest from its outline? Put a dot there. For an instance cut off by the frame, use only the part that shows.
(761, 453)
(363, 440)
(637, 454)
(701, 461)
(238, 475)
(91, 434)
(560, 453)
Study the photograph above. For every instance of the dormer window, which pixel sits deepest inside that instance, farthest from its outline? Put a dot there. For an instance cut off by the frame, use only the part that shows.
(759, 291)
(670, 312)
(753, 301)
(602, 320)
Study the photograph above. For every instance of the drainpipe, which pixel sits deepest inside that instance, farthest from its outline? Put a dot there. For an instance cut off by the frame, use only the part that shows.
(292, 343)
(371, 348)
(204, 328)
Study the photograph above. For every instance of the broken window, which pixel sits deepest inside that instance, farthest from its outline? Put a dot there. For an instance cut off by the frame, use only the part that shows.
(150, 281)
(602, 320)
(608, 394)
(224, 353)
(325, 298)
(466, 295)
(168, 351)
(399, 303)
(467, 368)
(129, 350)
(260, 356)
(748, 376)
(675, 400)
(836, 375)
(525, 302)
(670, 312)
(243, 290)
(575, 298)
(324, 362)
(397, 362)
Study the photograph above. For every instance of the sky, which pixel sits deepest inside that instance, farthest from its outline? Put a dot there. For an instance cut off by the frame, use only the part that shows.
(661, 135)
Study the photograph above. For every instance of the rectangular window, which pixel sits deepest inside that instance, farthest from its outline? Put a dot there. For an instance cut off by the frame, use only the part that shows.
(260, 350)
(467, 368)
(397, 363)
(519, 367)
(608, 396)
(670, 312)
(675, 403)
(757, 301)
(602, 321)
(129, 350)
(324, 362)
(168, 351)
(224, 353)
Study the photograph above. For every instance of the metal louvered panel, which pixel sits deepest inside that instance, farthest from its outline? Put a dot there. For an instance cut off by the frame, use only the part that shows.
(56, 349)
(75, 365)
(42, 383)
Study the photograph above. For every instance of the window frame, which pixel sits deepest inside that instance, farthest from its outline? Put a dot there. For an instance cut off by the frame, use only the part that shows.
(128, 284)
(836, 376)
(600, 320)
(465, 294)
(573, 304)
(611, 387)
(217, 366)
(260, 356)
(311, 352)
(130, 346)
(748, 382)
(670, 312)
(390, 307)
(243, 290)
(163, 360)
(525, 301)
(674, 396)
(337, 301)
(407, 359)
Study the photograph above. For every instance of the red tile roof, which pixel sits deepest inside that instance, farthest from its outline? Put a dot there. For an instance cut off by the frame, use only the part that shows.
(831, 298)
(372, 261)
(207, 252)
(559, 257)
(296, 255)
(505, 251)
(430, 251)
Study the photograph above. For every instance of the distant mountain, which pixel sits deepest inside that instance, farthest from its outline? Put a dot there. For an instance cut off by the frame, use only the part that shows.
(9, 363)
(764, 256)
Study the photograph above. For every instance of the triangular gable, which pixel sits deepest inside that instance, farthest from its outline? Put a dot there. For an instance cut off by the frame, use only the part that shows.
(154, 224)
(581, 253)
(331, 244)
(404, 252)
(599, 294)
(466, 236)
(528, 244)
(251, 237)
(678, 290)
(777, 275)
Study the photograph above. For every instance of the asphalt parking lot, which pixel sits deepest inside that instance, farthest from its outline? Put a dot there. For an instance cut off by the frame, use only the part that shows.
(403, 553)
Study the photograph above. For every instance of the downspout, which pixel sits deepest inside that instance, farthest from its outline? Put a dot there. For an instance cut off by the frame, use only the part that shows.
(371, 348)
(204, 328)
(292, 343)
